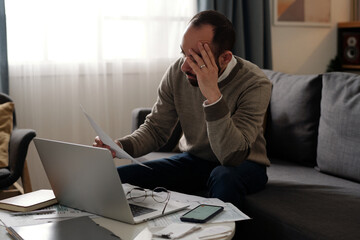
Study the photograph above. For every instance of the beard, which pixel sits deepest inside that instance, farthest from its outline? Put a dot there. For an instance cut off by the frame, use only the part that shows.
(193, 79)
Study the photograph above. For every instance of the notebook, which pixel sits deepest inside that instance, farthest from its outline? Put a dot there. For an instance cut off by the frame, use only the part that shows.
(85, 178)
(29, 201)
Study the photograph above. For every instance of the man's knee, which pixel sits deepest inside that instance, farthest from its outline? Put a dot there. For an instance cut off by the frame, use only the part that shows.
(232, 184)
(137, 175)
(224, 184)
(221, 175)
(128, 173)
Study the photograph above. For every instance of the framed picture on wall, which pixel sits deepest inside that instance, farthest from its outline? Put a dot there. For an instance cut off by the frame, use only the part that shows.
(302, 13)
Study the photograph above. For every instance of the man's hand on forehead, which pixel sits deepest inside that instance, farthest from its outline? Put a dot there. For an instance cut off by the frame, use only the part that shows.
(204, 66)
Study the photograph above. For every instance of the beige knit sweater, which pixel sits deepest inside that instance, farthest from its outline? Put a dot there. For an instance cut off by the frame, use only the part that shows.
(229, 131)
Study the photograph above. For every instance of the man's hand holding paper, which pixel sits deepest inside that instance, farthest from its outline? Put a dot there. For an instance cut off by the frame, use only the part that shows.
(99, 143)
(106, 142)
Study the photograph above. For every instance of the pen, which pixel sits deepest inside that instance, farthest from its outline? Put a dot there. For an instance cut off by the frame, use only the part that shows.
(166, 236)
(43, 211)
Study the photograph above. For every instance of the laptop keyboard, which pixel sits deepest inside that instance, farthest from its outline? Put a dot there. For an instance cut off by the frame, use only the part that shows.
(139, 210)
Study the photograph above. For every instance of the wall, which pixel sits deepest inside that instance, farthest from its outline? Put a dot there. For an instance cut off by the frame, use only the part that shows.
(308, 50)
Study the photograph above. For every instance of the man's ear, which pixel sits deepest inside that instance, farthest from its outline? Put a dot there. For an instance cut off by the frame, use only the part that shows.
(225, 58)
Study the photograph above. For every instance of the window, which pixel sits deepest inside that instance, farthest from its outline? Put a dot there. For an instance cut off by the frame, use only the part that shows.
(95, 30)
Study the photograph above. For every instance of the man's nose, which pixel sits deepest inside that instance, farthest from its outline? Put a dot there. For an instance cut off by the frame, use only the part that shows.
(185, 67)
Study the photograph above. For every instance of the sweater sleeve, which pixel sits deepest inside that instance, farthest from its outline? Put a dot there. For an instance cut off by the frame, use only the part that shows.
(232, 135)
(158, 125)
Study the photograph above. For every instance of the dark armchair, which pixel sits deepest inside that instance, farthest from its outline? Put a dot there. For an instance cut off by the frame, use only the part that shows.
(138, 118)
(18, 147)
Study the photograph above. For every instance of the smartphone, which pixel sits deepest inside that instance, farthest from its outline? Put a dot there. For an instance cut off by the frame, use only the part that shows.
(201, 213)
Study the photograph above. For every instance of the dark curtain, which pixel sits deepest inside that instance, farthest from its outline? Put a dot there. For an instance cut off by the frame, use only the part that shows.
(251, 20)
(4, 71)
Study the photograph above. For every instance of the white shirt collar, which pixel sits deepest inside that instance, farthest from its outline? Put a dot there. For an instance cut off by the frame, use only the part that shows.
(228, 69)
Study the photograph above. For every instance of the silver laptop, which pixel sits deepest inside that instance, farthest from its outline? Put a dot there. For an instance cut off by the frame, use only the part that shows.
(85, 178)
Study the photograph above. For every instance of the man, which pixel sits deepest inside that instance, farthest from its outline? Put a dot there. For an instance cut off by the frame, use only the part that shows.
(220, 101)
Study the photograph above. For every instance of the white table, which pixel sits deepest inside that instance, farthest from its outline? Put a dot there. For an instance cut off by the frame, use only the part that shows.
(128, 232)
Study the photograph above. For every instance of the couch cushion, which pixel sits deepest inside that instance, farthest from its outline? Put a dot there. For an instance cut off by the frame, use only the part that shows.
(293, 117)
(6, 124)
(302, 203)
(339, 130)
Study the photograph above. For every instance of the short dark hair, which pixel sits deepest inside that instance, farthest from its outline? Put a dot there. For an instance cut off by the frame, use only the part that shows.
(224, 33)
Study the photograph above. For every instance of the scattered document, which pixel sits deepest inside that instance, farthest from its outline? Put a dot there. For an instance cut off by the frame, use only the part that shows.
(120, 153)
(35, 212)
(215, 232)
(193, 200)
(183, 231)
(145, 234)
(58, 212)
(176, 230)
(63, 212)
(230, 213)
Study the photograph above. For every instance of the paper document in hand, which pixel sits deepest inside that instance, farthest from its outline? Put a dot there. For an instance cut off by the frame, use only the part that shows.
(120, 153)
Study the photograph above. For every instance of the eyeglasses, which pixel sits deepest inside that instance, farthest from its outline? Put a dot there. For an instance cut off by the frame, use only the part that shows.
(159, 194)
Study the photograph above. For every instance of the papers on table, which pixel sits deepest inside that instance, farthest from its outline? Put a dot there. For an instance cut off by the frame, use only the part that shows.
(60, 213)
(230, 213)
(176, 230)
(120, 153)
(214, 232)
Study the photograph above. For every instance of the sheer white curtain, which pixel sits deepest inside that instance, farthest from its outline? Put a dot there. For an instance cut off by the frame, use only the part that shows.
(108, 55)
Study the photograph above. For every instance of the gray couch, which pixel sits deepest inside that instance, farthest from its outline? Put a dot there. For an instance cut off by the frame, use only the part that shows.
(313, 142)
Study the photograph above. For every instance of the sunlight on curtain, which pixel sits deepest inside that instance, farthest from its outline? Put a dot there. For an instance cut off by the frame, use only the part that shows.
(108, 55)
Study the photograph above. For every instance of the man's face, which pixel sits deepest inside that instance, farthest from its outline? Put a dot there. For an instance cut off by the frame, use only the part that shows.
(192, 36)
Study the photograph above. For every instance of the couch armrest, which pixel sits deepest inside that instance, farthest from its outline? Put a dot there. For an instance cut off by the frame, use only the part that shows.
(138, 118)
(18, 147)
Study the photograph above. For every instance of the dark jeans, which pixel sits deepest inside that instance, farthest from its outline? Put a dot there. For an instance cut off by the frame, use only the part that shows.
(188, 174)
